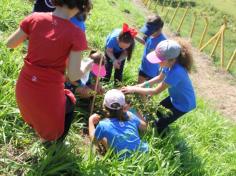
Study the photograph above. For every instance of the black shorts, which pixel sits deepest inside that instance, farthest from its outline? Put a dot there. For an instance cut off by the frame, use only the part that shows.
(141, 73)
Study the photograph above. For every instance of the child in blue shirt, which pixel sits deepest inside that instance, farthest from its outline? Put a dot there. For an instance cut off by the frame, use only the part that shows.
(119, 46)
(175, 59)
(119, 130)
(153, 33)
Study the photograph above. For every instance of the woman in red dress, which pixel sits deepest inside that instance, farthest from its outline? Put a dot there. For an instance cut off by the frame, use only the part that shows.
(53, 42)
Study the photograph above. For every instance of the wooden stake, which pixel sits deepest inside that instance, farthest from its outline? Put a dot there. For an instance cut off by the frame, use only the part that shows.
(222, 49)
(216, 44)
(231, 60)
(204, 32)
(210, 40)
(96, 86)
(193, 26)
(182, 20)
(173, 17)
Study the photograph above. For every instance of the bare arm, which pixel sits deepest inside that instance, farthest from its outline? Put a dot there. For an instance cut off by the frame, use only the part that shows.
(16, 38)
(109, 52)
(157, 79)
(146, 91)
(140, 40)
(123, 56)
(74, 66)
(143, 125)
(93, 119)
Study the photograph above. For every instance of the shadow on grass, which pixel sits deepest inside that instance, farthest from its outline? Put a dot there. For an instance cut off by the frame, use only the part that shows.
(189, 162)
(56, 160)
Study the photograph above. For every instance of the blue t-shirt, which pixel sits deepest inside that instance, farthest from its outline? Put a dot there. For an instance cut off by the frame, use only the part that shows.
(112, 41)
(180, 88)
(147, 67)
(121, 135)
(79, 23)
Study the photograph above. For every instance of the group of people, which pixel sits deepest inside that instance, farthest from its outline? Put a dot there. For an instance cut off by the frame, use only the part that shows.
(54, 71)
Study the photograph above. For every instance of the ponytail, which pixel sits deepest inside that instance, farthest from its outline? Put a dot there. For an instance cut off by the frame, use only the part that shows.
(119, 114)
(185, 58)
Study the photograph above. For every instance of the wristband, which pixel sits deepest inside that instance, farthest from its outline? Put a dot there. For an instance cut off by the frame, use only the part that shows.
(147, 84)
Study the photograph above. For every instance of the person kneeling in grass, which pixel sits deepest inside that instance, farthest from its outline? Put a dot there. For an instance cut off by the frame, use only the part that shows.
(119, 130)
(175, 60)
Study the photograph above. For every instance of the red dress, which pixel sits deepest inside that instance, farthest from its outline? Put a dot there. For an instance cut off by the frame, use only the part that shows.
(40, 91)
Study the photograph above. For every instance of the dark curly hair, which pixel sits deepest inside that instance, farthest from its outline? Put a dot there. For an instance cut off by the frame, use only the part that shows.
(82, 5)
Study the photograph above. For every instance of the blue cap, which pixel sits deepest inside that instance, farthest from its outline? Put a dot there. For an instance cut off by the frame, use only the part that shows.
(149, 29)
(153, 24)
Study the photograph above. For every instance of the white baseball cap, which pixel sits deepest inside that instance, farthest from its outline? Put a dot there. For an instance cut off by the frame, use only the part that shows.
(165, 50)
(114, 99)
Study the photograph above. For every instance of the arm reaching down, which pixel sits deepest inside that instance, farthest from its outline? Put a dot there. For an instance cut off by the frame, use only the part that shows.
(74, 66)
(16, 38)
(145, 91)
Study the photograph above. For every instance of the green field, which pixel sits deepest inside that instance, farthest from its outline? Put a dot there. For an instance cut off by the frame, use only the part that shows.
(214, 11)
(201, 143)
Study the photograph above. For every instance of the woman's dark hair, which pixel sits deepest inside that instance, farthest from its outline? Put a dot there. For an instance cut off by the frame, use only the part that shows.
(82, 5)
(111, 113)
(126, 37)
(185, 58)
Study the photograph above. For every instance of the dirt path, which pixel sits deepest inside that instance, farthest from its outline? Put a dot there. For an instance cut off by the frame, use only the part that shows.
(215, 86)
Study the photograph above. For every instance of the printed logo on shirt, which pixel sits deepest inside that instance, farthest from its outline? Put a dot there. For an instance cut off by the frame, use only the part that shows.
(49, 3)
(121, 124)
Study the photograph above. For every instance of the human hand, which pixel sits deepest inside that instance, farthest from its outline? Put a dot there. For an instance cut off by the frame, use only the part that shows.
(95, 118)
(116, 64)
(128, 89)
(100, 90)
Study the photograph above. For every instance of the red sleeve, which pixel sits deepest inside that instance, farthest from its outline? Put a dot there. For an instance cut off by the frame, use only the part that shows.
(25, 24)
(79, 42)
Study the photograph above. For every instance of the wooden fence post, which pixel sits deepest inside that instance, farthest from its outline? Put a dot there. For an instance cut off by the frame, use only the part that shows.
(182, 20)
(173, 17)
(210, 40)
(163, 5)
(157, 1)
(204, 32)
(231, 60)
(194, 23)
(222, 43)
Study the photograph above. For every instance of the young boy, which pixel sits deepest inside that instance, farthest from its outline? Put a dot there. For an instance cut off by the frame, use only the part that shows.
(153, 35)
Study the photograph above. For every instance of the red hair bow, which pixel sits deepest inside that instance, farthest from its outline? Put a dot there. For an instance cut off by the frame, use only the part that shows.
(132, 31)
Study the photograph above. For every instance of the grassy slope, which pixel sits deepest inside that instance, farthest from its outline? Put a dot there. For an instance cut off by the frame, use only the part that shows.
(215, 12)
(201, 143)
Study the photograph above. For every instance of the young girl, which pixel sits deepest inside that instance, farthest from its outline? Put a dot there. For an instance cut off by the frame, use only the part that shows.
(119, 130)
(152, 29)
(119, 46)
(85, 86)
(176, 60)
(40, 94)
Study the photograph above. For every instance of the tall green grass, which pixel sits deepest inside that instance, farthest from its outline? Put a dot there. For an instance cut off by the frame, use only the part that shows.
(201, 143)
